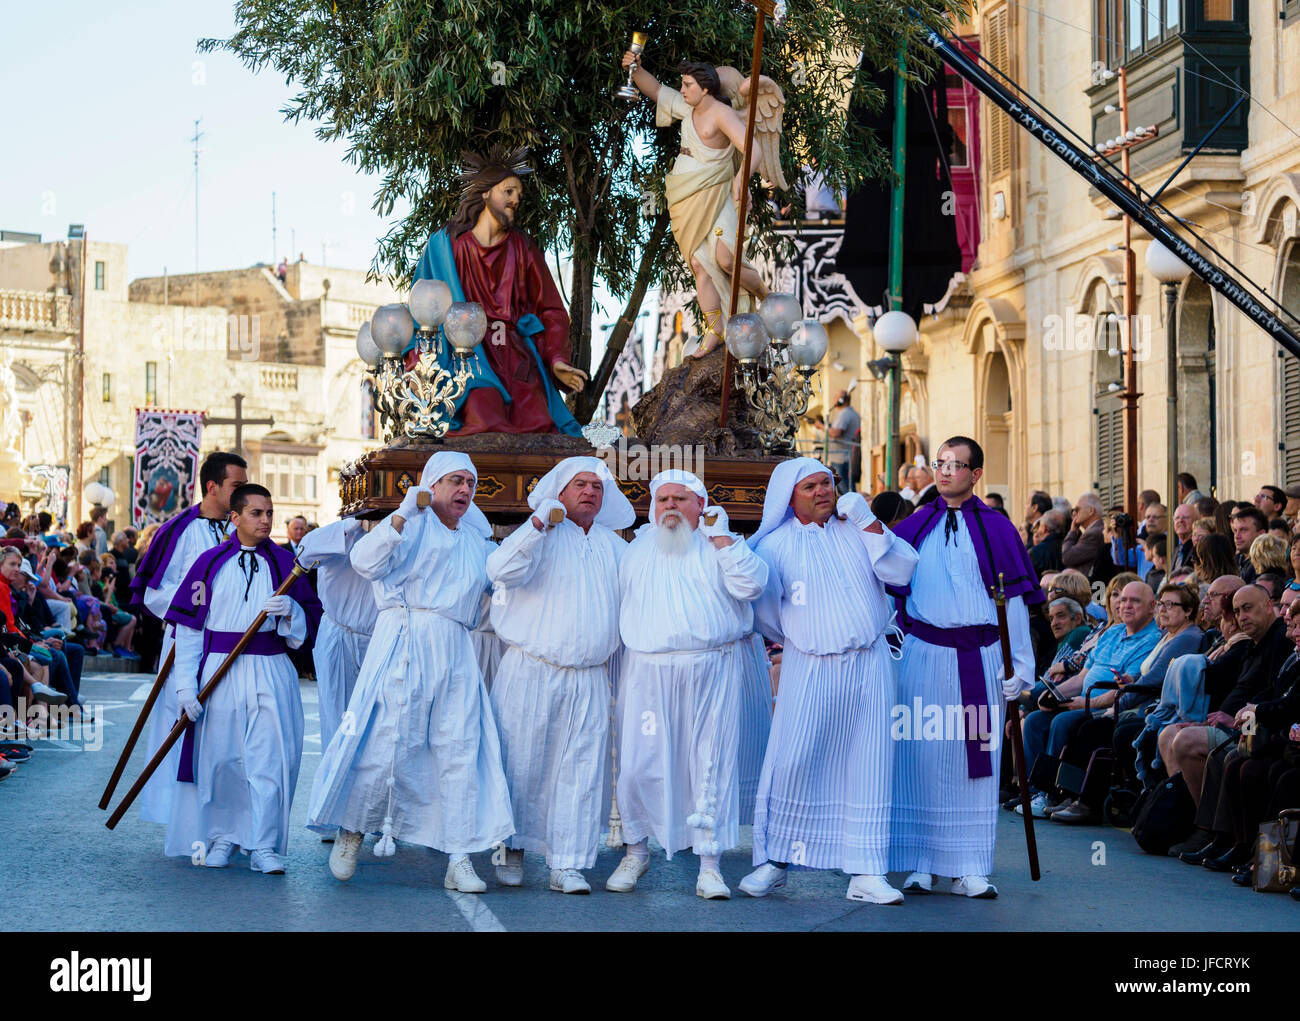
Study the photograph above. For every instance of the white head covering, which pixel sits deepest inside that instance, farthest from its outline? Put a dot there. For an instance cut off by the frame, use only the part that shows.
(615, 509)
(681, 478)
(443, 463)
(780, 487)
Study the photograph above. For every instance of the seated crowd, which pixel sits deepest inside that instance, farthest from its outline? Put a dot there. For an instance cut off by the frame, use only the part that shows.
(63, 597)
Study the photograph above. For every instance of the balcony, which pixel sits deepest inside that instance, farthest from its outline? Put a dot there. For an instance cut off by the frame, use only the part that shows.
(35, 311)
(1187, 63)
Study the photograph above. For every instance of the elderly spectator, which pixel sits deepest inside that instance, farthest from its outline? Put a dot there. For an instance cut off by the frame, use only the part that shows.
(1192, 745)
(1181, 547)
(1084, 545)
(1187, 491)
(1248, 524)
(1118, 713)
(1271, 500)
(1121, 650)
(1154, 519)
(1214, 558)
(1202, 527)
(1049, 534)
(923, 483)
(1145, 499)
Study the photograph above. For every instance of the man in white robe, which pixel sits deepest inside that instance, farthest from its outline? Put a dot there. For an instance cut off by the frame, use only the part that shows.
(242, 752)
(946, 775)
(685, 616)
(421, 761)
(555, 608)
(348, 601)
(175, 546)
(823, 798)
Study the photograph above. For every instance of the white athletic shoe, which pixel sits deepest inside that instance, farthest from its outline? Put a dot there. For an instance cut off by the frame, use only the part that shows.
(918, 882)
(873, 890)
(267, 861)
(568, 881)
(512, 872)
(1037, 806)
(629, 870)
(218, 856)
(974, 886)
(763, 880)
(461, 876)
(710, 886)
(343, 859)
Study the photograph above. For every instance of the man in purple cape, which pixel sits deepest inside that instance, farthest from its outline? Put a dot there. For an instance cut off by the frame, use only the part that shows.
(952, 689)
(243, 745)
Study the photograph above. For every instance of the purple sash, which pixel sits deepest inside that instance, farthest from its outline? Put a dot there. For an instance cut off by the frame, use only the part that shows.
(970, 674)
(264, 643)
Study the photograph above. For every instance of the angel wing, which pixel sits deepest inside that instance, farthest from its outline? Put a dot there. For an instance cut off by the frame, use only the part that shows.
(769, 111)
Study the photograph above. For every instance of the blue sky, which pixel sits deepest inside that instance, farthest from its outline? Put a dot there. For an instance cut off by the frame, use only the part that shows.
(98, 109)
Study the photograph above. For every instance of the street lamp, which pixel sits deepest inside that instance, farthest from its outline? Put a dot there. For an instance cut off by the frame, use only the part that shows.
(1171, 271)
(895, 332)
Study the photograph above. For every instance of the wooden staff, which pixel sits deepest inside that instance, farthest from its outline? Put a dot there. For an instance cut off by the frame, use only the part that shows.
(138, 728)
(179, 728)
(1017, 740)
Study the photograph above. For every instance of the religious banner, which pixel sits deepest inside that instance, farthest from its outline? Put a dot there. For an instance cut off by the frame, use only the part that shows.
(53, 480)
(166, 463)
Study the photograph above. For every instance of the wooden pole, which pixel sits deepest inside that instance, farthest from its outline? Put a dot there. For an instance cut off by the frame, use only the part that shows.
(1131, 394)
(751, 111)
(138, 728)
(179, 728)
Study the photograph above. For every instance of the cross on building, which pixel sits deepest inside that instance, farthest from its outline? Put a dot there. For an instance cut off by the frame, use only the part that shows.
(238, 421)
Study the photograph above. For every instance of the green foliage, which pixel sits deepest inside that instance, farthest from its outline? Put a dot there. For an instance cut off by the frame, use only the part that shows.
(409, 85)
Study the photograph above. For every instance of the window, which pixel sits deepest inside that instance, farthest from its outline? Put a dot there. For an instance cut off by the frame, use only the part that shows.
(99, 275)
(108, 387)
(151, 382)
(103, 477)
(1291, 11)
(1123, 29)
(290, 477)
(959, 154)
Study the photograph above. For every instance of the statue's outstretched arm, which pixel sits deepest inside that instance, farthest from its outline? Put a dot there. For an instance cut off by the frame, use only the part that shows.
(647, 83)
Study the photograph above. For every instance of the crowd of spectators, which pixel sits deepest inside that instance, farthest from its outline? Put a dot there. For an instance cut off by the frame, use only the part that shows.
(1168, 652)
(64, 598)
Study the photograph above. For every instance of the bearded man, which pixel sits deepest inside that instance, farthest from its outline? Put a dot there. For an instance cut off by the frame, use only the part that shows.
(685, 616)
(483, 257)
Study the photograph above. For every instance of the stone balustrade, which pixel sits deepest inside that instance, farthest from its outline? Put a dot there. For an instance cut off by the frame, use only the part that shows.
(35, 310)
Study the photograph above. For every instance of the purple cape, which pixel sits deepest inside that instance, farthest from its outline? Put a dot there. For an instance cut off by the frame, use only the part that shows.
(997, 547)
(149, 571)
(190, 607)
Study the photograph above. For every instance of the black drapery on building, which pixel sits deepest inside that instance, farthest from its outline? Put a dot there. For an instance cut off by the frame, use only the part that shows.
(931, 254)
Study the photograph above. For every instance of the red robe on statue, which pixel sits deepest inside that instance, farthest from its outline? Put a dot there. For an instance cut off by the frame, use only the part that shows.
(510, 280)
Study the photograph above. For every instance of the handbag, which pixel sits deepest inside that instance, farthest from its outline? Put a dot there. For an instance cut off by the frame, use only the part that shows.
(1275, 853)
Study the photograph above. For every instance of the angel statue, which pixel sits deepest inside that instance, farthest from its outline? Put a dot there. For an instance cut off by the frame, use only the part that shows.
(704, 186)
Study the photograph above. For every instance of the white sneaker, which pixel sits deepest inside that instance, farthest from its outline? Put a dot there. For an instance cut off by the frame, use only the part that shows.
(1037, 807)
(763, 880)
(873, 890)
(43, 693)
(218, 855)
(343, 859)
(512, 872)
(710, 886)
(267, 861)
(461, 876)
(974, 886)
(629, 870)
(918, 882)
(568, 881)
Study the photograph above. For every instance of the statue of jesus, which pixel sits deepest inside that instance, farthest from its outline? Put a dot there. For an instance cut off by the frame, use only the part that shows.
(482, 257)
(704, 186)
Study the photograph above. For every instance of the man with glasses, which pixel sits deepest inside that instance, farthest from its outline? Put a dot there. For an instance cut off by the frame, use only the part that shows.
(946, 789)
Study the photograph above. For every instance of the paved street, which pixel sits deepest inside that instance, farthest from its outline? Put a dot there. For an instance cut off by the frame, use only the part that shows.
(67, 872)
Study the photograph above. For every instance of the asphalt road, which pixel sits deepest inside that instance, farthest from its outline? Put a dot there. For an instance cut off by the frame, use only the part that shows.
(68, 872)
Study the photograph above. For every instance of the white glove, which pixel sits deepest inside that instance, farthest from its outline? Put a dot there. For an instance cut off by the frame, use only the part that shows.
(721, 527)
(187, 699)
(1012, 687)
(546, 511)
(854, 507)
(278, 606)
(409, 508)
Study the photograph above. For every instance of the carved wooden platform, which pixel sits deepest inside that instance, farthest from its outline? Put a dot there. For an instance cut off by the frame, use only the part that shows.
(509, 466)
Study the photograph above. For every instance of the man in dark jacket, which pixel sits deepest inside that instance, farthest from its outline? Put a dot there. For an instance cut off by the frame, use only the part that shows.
(1084, 544)
(1045, 553)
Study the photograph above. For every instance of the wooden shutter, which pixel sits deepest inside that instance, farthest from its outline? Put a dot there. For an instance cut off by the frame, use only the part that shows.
(1000, 128)
(1110, 450)
(1290, 420)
